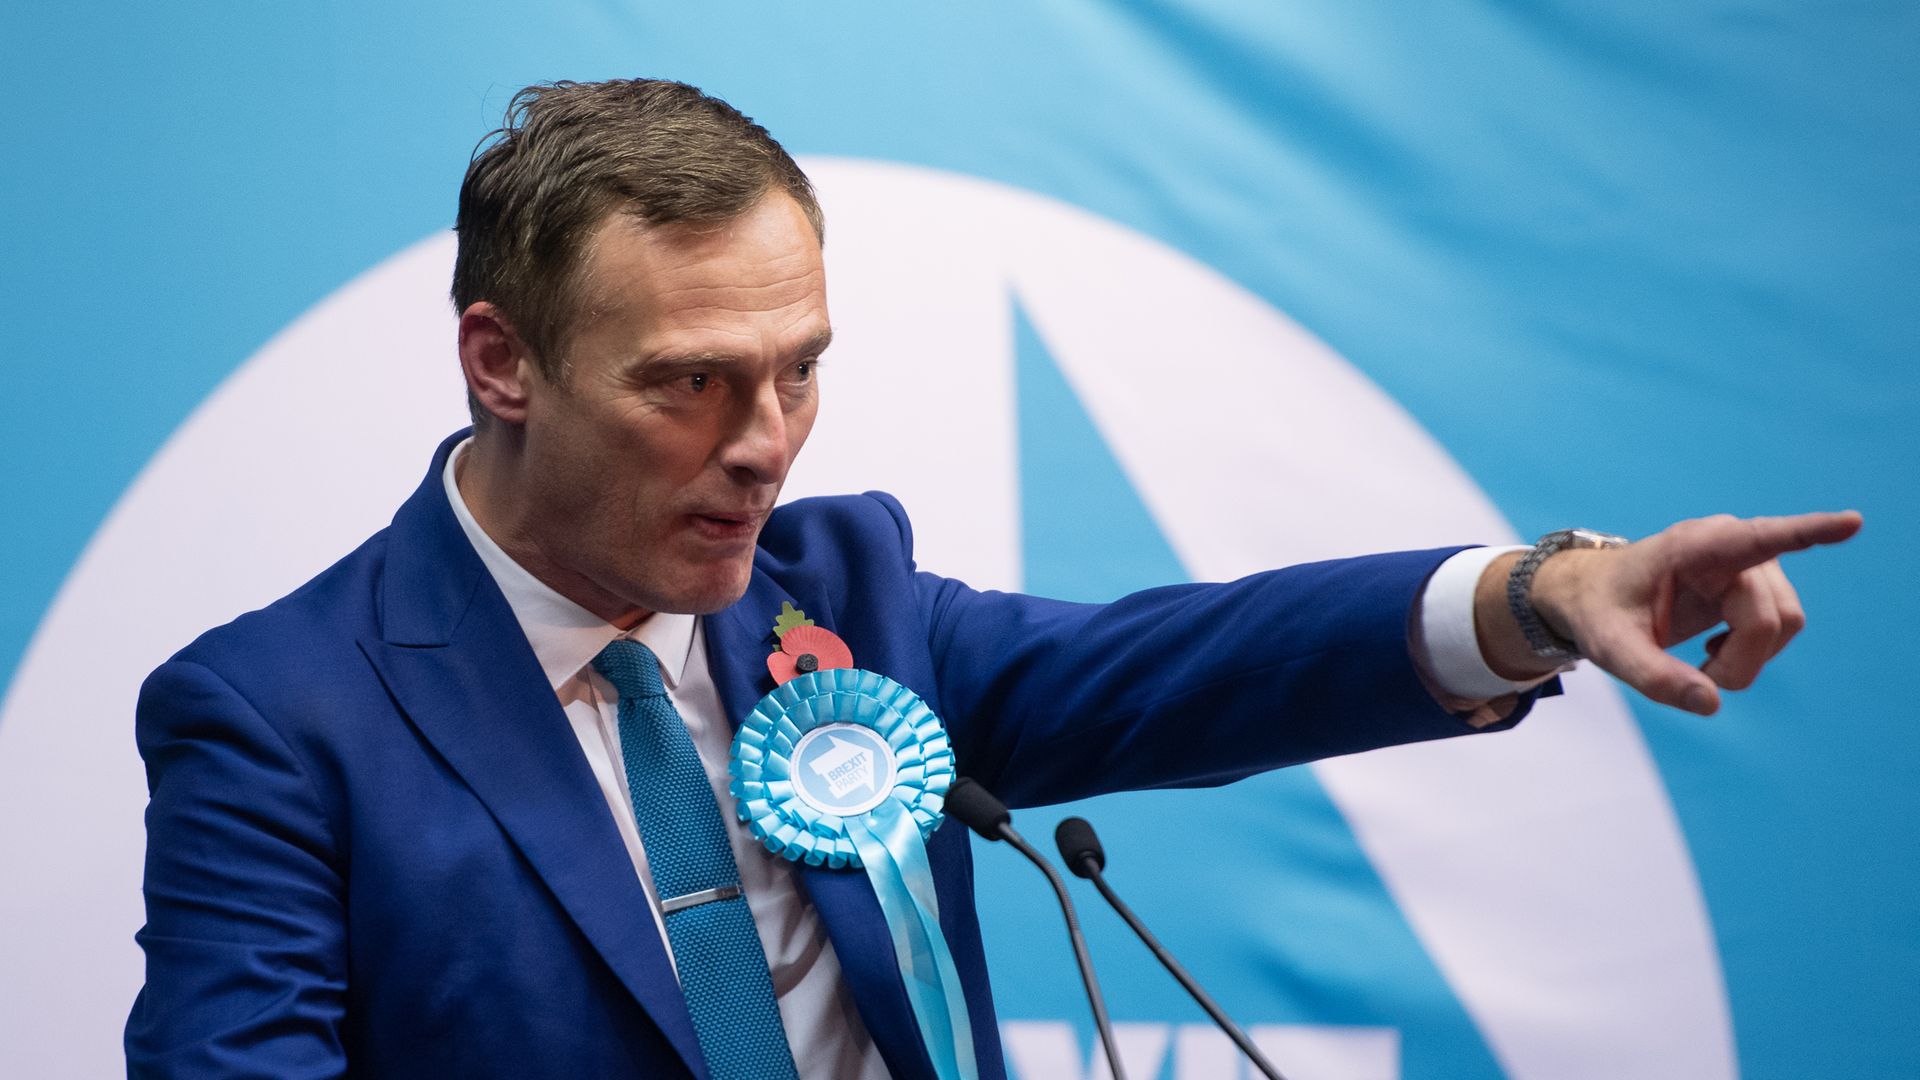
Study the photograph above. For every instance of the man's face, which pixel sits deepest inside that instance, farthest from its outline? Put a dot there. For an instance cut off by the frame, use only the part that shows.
(689, 388)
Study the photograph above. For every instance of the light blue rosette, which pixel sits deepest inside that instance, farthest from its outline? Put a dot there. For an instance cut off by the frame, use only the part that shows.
(846, 768)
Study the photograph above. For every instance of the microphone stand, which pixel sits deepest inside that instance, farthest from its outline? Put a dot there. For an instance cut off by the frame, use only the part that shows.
(986, 815)
(1082, 851)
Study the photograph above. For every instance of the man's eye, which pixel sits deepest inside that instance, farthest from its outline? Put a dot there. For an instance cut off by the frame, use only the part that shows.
(803, 371)
(697, 383)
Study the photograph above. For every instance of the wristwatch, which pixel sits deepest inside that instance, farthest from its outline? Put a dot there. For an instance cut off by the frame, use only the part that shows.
(1544, 642)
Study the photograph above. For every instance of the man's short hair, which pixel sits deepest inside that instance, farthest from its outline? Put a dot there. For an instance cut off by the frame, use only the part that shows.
(570, 153)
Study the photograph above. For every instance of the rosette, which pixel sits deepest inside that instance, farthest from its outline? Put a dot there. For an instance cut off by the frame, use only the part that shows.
(833, 745)
(845, 768)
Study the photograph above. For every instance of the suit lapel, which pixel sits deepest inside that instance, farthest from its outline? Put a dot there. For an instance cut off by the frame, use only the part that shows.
(738, 641)
(455, 660)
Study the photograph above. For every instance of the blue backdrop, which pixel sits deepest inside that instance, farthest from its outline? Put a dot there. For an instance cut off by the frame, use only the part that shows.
(1627, 263)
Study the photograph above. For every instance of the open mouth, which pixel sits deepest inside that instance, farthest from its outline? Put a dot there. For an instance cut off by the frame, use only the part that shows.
(725, 526)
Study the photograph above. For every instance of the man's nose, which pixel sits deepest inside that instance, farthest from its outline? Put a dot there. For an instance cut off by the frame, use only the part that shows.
(756, 450)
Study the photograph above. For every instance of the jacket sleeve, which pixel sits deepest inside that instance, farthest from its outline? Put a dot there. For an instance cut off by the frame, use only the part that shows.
(1186, 685)
(245, 933)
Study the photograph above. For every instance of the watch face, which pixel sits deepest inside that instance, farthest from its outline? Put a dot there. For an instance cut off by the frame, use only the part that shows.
(1589, 538)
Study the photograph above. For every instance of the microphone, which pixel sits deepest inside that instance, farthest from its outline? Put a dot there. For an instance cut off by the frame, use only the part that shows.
(977, 809)
(1080, 849)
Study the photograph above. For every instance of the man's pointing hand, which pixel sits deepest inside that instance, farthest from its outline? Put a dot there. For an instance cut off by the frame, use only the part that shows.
(1624, 606)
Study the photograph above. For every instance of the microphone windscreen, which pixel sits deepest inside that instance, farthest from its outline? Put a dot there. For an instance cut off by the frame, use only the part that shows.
(1079, 845)
(976, 808)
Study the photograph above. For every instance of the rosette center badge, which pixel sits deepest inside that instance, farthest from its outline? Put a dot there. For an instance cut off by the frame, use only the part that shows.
(843, 769)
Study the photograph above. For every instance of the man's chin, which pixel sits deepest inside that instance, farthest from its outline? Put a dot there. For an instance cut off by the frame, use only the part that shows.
(706, 598)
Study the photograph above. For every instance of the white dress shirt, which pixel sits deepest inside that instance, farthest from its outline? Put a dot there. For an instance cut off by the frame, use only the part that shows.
(823, 1027)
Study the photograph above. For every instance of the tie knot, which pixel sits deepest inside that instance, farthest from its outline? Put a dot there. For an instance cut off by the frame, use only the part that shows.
(632, 669)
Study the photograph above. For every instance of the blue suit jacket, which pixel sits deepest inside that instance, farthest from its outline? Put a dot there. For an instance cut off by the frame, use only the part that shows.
(375, 847)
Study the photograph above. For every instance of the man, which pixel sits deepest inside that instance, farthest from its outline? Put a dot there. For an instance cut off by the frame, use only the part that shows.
(428, 815)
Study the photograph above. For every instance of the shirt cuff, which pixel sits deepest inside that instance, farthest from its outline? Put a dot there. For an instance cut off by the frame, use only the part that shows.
(1446, 647)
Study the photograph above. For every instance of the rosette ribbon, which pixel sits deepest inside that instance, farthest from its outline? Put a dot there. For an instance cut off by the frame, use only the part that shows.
(846, 768)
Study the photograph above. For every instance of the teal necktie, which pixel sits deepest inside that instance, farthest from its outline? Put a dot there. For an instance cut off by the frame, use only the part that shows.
(723, 971)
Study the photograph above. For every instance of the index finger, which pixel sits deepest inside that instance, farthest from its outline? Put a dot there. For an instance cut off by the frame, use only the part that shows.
(1755, 540)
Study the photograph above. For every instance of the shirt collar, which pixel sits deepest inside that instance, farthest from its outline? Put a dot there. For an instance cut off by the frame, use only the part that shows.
(565, 636)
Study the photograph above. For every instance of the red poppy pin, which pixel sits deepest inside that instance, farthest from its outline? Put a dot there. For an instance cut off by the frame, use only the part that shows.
(804, 647)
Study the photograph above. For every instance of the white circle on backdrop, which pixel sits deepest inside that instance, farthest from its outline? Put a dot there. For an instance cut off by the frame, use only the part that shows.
(1554, 894)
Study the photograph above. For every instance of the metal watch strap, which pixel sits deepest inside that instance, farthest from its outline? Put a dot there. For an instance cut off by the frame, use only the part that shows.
(1543, 641)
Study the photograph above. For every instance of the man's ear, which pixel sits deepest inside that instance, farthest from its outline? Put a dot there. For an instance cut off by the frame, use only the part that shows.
(497, 363)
